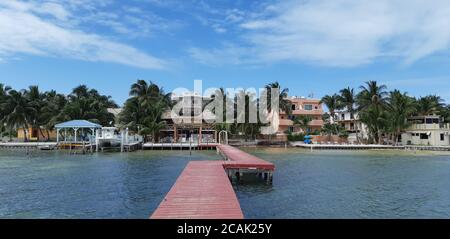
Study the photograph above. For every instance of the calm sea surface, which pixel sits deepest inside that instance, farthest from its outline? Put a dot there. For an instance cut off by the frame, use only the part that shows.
(320, 184)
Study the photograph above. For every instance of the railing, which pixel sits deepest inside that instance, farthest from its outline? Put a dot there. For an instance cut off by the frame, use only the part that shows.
(429, 126)
(307, 112)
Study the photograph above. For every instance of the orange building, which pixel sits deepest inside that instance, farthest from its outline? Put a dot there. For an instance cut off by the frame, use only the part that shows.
(302, 106)
(34, 134)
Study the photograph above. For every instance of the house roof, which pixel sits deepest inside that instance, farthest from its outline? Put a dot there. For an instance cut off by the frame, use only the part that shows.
(78, 124)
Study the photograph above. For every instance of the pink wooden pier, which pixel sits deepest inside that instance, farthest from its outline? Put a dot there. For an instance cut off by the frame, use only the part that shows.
(204, 189)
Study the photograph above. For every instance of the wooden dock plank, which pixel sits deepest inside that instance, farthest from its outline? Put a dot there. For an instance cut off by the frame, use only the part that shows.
(240, 159)
(202, 191)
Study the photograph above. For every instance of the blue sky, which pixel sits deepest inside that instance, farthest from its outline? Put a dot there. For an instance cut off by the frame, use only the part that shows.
(312, 47)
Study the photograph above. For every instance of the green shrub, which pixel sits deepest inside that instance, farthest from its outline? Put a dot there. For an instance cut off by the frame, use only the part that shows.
(296, 137)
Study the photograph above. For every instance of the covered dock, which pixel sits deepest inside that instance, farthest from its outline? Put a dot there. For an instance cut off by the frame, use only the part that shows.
(76, 131)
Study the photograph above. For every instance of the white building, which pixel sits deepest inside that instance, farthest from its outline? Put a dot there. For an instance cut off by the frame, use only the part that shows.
(427, 130)
(355, 128)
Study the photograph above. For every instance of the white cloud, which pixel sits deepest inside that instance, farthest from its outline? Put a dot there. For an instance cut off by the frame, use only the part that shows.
(420, 83)
(40, 29)
(230, 54)
(347, 32)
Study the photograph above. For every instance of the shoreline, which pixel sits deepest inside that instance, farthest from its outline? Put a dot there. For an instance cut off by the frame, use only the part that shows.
(291, 145)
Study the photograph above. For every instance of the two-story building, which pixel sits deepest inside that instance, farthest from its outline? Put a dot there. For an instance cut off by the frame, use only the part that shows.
(427, 130)
(357, 131)
(189, 124)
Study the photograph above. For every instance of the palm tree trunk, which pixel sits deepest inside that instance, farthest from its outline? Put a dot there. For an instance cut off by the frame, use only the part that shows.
(25, 138)
(379, 137)
(356, 132)
(41, 133)
(10, 133)
(48, 134)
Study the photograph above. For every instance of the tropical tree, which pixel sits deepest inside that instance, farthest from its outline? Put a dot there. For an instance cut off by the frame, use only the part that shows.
(303, 121)
(143, 111)
(333, 103)
(3, 96)
(36, 100)
(399, 107)
(17, 111)
(153, 122)
(87, 104)
(248, 128)
(54, 103)
(348, 100)
(429, 105)
(371, 105)
(284, 103)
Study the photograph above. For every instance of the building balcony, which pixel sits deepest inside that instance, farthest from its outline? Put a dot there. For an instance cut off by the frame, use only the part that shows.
(319, 123)
(287, 122)
(307, 112)
(429, 126)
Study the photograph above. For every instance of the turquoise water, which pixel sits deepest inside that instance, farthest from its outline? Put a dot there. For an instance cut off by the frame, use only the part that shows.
(320, 184)
(351, 184)
(110, 185)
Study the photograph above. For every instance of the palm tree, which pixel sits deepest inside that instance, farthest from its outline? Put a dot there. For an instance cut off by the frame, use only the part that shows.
(17, 111)
(429, 105)
(144, 109)
(4, 90)
(348, 100)
(54, 103)
(36, 100)
(303, 121)
(371, 104)
(333, 103)
(247, 128)
(400, 107)
(87, 104)
(149, 93)
(284, 103)
(372, 94)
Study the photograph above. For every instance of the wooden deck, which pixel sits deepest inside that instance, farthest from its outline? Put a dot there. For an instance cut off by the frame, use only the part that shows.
(180, 146)
(204, 189)
(239, 159)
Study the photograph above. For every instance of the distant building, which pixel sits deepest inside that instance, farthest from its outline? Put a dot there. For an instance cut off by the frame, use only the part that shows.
(115, 112)
(351, 123)
(34, 134)
(427, 130)
(301, 106)
(189, 124)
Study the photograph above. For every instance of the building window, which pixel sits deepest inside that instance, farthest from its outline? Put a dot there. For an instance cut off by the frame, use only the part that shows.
(293, 107)
(442, 137)
(308, 107)
(291, 129)
(352, 116)
(343, 116)
(423, 136)
(431, 121)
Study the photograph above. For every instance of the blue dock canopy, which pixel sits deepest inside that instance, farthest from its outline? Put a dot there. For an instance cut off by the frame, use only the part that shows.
(78, 124)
